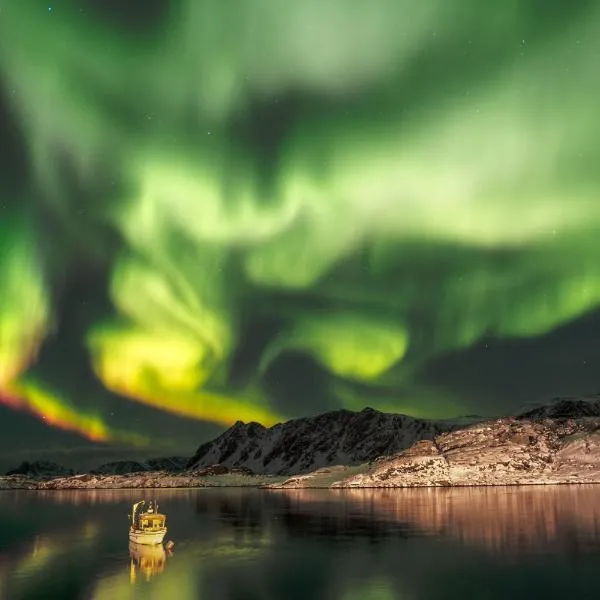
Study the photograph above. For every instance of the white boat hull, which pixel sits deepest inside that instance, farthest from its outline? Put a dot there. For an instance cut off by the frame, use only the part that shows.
(147, 538)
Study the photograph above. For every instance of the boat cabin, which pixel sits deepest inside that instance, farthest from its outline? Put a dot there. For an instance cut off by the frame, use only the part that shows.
(151, 521)
(148, 521)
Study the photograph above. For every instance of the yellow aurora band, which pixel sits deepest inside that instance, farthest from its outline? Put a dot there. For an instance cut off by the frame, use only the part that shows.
(57, 412)
(166, 372)
(425, 178)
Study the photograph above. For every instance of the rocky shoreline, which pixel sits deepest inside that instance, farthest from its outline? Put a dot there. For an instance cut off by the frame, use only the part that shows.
(215, 477)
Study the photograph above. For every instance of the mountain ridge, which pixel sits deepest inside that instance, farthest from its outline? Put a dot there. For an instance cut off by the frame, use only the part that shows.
(307, 443)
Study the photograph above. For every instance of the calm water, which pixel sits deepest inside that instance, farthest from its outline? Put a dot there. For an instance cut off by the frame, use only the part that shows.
(407, 544)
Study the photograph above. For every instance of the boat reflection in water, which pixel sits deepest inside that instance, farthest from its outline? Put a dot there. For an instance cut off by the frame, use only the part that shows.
(146, 560)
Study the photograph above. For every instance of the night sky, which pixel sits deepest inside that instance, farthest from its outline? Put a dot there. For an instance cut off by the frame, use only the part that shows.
(266, 209)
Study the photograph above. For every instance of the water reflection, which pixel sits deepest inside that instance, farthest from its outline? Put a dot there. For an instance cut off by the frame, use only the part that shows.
(341, 544)
(146, 560)
(93, 497)
(509, 520)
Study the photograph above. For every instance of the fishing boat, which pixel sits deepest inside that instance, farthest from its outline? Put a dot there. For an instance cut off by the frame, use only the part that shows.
(148, 527)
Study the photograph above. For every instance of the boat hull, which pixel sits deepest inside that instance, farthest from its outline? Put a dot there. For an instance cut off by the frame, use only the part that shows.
(147, 538)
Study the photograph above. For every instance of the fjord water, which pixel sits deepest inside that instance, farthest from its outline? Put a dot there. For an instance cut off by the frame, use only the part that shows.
(484, 543)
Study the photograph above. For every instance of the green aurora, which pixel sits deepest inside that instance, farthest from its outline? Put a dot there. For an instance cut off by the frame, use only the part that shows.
(282, 208)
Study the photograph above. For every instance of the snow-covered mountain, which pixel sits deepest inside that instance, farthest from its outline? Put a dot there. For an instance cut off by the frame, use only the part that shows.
(301, 445)
(565, 408)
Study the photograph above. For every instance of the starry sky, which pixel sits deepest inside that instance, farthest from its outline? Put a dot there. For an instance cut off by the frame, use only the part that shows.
(211, 213)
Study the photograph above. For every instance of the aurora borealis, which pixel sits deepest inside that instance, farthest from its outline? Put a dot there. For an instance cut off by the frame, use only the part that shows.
(211, 213)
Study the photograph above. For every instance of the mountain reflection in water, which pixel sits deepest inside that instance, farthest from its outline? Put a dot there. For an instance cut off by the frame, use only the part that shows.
(346, 544)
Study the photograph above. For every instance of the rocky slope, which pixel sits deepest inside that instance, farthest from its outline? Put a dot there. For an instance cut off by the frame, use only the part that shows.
(501, 452)
(302, 445)
(17, 482)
